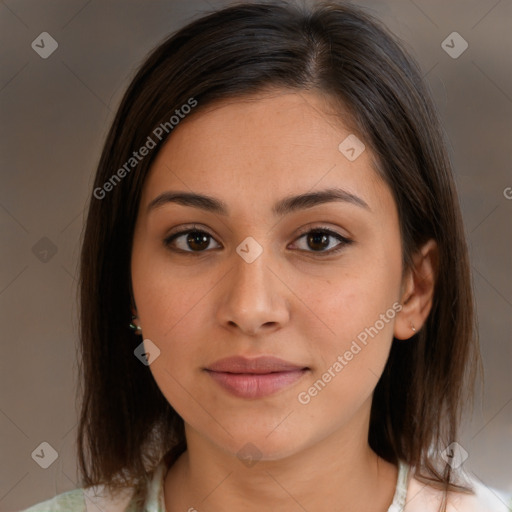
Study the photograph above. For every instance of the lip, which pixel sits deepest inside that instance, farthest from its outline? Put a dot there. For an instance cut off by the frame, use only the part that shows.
(255, 378)
(259, 365)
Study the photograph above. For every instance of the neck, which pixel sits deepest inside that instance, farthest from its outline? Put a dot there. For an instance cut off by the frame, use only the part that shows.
(340, 472)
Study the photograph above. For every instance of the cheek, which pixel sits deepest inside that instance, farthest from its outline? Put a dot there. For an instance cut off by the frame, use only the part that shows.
(355, 311)
(174, 322)
(168, 298)
(348, 363)
(352, 299)
(170, 305)
(174, 315)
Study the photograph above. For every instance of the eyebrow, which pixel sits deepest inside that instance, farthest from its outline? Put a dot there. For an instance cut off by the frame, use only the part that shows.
(281, 208)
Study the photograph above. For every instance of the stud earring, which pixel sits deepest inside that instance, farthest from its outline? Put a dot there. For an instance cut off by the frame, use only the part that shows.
(136, 328)
(413, 328)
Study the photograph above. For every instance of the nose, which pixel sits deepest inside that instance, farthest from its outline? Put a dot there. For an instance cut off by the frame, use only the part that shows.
(253, 299)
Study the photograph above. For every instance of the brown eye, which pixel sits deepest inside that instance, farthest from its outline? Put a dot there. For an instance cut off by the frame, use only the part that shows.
(189, 241)
(197, 240)
(323, 241)
(317, 240)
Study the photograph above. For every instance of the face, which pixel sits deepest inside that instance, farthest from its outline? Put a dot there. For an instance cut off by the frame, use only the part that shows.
(253, 272)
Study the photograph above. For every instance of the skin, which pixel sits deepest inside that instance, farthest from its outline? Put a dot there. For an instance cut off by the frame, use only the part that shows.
(292, 302)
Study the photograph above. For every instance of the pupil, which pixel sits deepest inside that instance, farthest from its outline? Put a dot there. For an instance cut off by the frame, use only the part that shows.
(318, 238)
(201, 239)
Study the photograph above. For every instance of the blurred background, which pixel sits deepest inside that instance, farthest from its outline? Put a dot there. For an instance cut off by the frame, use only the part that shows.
(64, 67)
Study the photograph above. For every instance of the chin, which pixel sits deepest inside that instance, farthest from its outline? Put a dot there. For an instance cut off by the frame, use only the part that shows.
(260, 446)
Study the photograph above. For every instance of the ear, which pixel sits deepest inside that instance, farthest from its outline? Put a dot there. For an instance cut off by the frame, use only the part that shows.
(417, 291)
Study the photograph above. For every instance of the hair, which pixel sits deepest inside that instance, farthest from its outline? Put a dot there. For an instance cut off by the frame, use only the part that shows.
(341, 52)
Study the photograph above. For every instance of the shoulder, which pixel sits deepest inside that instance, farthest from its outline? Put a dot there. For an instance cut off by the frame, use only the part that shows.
(424, 498)
(85, 500)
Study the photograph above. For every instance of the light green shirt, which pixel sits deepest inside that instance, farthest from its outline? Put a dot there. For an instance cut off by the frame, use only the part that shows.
(96, 500)
(410, 496)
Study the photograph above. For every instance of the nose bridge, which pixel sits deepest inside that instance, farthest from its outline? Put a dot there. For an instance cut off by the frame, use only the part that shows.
(253, 296)
(251, 274)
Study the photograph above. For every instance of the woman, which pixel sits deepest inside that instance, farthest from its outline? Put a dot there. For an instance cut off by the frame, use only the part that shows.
(276, 302)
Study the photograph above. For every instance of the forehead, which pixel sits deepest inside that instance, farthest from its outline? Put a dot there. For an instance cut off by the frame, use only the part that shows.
(268, 145)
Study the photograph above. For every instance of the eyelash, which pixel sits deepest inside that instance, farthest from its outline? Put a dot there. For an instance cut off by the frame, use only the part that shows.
(344, 241)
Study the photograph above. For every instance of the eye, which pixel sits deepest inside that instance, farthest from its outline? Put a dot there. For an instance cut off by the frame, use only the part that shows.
(318, 240)
(191, 240)
(322, 240)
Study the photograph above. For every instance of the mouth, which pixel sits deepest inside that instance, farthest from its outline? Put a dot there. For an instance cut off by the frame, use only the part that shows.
(255, 378)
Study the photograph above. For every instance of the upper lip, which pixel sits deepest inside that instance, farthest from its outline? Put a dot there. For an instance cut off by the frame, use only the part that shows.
(262, 364)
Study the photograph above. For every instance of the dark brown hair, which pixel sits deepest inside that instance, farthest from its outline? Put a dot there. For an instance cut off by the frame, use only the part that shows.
(338, 50)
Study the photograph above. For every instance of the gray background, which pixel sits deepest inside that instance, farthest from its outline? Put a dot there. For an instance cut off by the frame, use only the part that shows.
(55, 115)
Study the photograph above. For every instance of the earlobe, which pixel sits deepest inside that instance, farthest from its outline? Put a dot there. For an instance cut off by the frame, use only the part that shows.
(418, 292)
(134, 323)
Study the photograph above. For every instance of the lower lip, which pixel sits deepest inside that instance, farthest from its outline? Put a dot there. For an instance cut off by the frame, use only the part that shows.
(254, 385)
